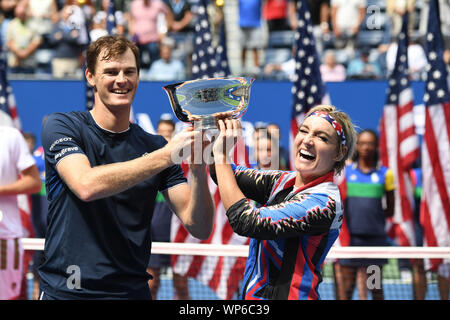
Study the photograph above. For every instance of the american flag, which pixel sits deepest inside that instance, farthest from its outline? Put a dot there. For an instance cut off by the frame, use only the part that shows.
(399, 143)
(204, 61)
(308, 89)
(435, 202)
(111, 23)
(221, 274)
(89, 91)
(111, 28)
(221, 52)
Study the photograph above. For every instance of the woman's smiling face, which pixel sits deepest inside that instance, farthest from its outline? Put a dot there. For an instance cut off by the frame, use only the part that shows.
(316, 148)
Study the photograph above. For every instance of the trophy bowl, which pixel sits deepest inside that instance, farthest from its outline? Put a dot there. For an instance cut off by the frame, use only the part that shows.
(203, 101)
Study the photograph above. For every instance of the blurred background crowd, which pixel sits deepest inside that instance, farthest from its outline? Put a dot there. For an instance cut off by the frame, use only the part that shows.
(355, 39)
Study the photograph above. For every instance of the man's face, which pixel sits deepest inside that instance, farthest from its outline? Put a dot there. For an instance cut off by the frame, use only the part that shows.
(115, 80)
(166, 53)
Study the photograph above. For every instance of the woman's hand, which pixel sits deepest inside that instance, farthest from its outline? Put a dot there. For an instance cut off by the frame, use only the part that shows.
(230, 130)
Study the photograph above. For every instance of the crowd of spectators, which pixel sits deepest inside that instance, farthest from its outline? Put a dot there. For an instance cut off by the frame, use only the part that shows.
(355, 39)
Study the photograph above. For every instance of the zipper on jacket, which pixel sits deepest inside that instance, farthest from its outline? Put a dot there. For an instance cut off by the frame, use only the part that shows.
(253, 270)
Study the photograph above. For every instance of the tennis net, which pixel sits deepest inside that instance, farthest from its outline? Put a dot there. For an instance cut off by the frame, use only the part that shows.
(214, 272)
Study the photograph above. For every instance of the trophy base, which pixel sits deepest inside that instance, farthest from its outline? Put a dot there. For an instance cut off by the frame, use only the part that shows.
(205, 123)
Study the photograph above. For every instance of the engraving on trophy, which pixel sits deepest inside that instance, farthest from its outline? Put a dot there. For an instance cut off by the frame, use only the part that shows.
(207, 95)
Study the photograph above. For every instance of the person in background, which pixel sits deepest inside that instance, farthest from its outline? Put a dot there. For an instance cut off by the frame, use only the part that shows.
(283, 70)
(99, 22)
(275, 13)
(362, 68)
(251, 34)
(395, 9)
(166, 68)
(65, 39)
(417, 59)
(143, 28)
(320, 20)
(182, 15)
(418, 269)
(18, 175)
(7, 8)
(42, 15)
(267, 155)
(367, 184)
(22, 42)
(274, 130)
(216, 18)
(81, 18)
(330, 70)
(180, 27)
(346, 19)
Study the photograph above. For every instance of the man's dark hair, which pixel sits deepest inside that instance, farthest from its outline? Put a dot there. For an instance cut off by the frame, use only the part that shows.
(111, 46)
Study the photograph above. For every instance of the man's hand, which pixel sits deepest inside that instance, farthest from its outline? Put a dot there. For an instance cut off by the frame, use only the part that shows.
(183, 145)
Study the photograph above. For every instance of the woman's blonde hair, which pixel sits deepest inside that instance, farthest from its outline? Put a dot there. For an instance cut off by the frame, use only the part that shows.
(349, 132)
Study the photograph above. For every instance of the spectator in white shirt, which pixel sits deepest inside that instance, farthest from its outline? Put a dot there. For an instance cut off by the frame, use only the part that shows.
(417, 59)
(166, 68)
(346, 19)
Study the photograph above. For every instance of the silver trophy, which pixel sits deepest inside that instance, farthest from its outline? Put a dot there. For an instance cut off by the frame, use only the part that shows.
(203, 101)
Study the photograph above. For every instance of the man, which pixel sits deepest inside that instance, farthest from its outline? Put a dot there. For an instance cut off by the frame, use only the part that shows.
(22, 42)
(102, 178)
(166, 68)
(15, 161)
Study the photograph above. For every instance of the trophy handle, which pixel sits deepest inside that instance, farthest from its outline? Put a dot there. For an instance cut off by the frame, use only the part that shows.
(170, 90)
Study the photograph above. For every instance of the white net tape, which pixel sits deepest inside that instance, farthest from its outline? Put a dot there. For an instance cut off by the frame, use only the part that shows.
(199, 262)
(242, 251)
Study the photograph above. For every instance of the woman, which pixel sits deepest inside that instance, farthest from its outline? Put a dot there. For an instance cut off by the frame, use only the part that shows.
(294, 231)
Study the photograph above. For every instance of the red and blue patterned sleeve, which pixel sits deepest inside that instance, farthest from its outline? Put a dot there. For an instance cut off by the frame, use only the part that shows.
(304, 214)
(255, 184)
